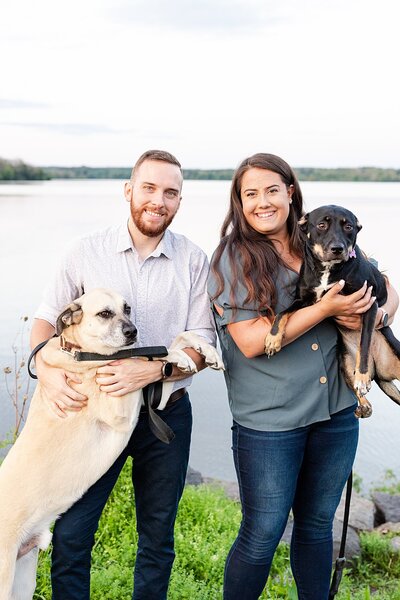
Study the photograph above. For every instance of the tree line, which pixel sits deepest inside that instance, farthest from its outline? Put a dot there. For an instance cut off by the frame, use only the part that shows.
(18, 170)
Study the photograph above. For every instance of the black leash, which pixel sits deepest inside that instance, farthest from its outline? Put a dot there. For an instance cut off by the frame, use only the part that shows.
(151, 393)
(341, 559)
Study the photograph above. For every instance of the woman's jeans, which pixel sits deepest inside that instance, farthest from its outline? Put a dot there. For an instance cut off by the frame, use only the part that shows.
(158, 475)
(304, 469)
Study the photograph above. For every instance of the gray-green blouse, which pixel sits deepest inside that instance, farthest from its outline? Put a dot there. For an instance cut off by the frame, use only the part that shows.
(300, 385)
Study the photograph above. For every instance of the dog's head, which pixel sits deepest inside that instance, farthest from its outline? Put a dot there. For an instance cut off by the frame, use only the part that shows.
(331, 232)
(98, 322)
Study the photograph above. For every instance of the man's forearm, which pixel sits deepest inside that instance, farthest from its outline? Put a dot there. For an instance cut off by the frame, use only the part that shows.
(42, 330)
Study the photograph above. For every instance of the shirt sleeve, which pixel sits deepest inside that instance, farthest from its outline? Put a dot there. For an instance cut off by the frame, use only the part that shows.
(200, 318)
(65, 286)
(241, 311)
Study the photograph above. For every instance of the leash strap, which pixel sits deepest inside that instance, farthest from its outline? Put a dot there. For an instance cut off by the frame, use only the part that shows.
(33, 354)
(146, 351)
(341, 559)
(152, 397)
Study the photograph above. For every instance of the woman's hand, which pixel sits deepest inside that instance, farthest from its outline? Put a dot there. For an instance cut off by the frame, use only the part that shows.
(347, 309)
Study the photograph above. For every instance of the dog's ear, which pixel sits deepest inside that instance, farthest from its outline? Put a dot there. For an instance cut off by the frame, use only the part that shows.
(303, 223)
(70, 316)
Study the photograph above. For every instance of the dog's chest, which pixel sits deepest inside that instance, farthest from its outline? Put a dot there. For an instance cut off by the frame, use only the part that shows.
(324, 284)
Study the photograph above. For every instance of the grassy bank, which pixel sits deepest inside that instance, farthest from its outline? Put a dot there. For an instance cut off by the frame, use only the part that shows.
(206, 526)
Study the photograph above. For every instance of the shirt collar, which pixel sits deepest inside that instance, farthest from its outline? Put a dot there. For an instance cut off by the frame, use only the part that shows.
(124, 242)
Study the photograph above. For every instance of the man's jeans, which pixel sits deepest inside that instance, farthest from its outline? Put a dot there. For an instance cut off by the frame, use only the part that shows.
(158, 475)
(305, 469)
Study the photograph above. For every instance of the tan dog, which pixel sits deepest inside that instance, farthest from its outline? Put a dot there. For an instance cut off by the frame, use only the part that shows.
(54, 461)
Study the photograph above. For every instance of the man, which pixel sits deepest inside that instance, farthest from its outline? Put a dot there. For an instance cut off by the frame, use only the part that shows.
(162, 276)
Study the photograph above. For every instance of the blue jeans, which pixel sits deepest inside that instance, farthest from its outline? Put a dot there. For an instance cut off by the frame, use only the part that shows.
(304, 469)
(158, 475)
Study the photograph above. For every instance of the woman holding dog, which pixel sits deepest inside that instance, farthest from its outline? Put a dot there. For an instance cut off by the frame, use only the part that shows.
(294, 429)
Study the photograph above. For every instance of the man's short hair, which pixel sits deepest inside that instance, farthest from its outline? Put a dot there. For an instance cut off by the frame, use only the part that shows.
(160, 155)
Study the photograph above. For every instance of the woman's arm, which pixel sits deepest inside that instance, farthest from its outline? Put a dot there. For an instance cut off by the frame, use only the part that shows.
(390, 306)
(249, 335)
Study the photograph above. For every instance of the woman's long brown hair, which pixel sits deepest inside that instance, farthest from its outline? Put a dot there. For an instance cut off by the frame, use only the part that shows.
(253, 251)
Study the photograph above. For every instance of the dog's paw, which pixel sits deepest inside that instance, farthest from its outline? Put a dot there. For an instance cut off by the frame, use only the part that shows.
(272, 344)
(212, 358)
(181, 360)
(364, 410)
(362, 383)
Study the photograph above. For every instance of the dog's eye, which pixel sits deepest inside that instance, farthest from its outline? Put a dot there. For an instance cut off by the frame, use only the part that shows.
(322, 225)
(105, 314)
(127, 309)
(348, 227)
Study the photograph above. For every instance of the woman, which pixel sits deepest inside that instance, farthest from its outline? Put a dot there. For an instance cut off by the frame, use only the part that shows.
(294, 429)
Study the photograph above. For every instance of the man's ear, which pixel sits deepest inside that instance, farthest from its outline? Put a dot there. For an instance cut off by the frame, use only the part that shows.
(70, 316)
(303, 223)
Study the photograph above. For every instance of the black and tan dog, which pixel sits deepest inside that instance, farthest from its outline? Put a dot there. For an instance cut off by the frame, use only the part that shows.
(331, 254)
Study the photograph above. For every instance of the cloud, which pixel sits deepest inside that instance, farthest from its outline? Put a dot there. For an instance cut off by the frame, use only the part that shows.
(70, 128)
(224, 16)
(21, 104)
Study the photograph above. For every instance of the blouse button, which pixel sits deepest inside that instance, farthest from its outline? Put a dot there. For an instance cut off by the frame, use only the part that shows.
(323, 379)
(314, 347)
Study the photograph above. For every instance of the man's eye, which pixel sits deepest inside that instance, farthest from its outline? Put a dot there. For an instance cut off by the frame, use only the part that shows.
(105, 314)
(171, 194)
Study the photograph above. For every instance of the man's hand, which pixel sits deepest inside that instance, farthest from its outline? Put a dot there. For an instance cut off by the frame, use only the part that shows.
(60, 396)
(120, 377)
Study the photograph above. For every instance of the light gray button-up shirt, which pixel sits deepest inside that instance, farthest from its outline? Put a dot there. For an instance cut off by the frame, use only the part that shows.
(166, 292)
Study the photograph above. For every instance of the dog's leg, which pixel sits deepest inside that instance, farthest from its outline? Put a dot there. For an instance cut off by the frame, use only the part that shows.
(364, 408)
(362, 378)
(25, 576)
(273, 340)
(8, 560)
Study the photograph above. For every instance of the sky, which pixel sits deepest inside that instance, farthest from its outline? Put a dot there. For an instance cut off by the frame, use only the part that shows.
(98, 82)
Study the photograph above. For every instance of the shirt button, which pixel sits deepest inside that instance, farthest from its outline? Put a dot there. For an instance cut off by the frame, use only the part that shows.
(314, 347)
(323, 379)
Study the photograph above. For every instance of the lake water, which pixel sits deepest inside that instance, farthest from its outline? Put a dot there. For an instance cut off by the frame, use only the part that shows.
(39, 219)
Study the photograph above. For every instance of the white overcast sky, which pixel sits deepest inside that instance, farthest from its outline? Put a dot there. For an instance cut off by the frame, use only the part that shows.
(97, 82)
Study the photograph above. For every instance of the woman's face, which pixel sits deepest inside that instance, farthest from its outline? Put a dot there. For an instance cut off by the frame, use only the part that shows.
(266, 201)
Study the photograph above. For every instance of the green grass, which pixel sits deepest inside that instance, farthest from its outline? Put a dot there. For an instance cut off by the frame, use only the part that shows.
(206, 527)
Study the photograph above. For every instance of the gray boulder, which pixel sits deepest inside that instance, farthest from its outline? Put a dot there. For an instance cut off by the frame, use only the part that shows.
(387, 507)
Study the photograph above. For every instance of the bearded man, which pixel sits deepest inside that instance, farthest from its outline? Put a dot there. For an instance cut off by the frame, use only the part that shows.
(162, 276)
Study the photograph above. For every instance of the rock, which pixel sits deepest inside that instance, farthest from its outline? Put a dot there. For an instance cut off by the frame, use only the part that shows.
(352, 548)
(230, 488)
(395, 544)
(388, 528)
(362, 512)
(387, 507)
(193, 477)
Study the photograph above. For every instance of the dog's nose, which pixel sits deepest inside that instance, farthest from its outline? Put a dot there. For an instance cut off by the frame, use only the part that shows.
(129, 331)
(337, 249)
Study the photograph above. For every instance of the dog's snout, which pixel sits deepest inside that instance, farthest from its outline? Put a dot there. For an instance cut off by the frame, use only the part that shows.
(129, 331)
(337, 250)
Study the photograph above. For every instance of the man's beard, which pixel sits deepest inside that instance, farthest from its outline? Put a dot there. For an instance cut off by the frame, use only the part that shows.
(145, 228)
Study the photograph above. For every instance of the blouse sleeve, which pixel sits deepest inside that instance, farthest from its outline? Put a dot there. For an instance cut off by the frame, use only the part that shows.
(241, 310)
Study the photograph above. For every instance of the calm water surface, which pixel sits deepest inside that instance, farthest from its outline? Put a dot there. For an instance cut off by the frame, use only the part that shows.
(37, 221)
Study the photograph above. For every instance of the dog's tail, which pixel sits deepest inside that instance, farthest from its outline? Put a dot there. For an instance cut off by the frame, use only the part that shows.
(390, 389)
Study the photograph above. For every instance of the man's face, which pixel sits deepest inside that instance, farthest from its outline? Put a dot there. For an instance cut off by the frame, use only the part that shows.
(154, 196)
